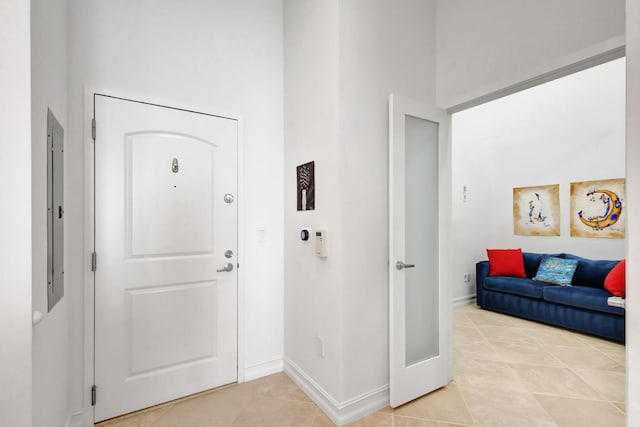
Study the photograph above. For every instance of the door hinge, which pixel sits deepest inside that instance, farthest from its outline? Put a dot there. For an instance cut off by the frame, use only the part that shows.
(93, 395)
(94, 261)
(93, 129)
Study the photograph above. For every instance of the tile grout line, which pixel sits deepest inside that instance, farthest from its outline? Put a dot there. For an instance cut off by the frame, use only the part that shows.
(611, 358)
(436, 420)
(583, 380)
(594, 369)
(544, 409)
(466, 405)
(544, 393)
(616, 406)
(546, 349)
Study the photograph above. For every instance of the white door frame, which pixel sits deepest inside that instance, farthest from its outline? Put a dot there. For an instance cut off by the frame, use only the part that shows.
(88, 282)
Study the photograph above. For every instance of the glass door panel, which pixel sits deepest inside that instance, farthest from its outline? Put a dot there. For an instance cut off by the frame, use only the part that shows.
(421, 240)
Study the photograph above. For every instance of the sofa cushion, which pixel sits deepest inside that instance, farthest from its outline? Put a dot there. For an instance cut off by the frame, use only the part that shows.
(581, 297)
(514, 285)
(591, 273)
(557, 271)
(615, 282)
(506, 262)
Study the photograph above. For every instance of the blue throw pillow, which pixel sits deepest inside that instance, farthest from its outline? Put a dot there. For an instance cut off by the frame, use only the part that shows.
(532, 261)
(557, 271)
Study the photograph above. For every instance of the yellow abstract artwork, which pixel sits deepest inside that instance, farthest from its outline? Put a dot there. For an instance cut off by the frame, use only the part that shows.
(598, 208)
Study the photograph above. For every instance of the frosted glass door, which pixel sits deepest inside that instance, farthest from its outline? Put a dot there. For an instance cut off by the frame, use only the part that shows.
(421, 239)
(419, 223)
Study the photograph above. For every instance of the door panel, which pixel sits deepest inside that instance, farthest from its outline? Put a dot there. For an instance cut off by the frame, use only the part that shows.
(156, 201)
(166, 319)
(172, 325)
(421, 242)
(419, 300)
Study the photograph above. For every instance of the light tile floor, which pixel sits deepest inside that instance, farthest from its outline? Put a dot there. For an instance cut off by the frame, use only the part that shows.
(507, 372)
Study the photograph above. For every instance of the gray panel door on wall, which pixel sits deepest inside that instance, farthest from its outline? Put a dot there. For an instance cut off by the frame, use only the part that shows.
(55, 211)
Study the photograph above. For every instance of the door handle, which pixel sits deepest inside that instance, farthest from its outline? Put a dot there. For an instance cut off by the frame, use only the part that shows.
(227, 267)
(400, 265)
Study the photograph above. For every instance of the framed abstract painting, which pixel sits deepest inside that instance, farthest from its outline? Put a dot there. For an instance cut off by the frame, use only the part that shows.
(536, 210)
(598, 208)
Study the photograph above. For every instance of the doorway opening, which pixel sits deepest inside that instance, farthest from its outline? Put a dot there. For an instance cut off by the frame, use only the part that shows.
(564, 131)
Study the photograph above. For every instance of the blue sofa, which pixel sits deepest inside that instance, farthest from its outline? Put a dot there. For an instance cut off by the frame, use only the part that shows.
(582, 306)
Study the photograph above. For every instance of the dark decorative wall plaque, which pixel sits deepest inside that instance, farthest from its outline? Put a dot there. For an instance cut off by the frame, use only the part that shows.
(305, 177)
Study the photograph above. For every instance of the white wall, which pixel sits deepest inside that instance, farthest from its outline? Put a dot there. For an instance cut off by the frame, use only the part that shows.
(48, 90)
(489, 45)
(385, 47)
(633, 217)
(217, 56)
(15, 217)
(342, 60)
(571, 129)
(313, 285)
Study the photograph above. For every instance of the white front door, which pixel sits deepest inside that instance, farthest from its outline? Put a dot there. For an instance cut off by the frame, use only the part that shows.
(419, 217)
(165, 225)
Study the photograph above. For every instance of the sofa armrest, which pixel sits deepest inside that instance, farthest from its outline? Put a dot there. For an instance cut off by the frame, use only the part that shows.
(482, 271)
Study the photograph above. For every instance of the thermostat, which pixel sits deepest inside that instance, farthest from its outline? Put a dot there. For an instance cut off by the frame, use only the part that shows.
(304, 234)
(321, 243)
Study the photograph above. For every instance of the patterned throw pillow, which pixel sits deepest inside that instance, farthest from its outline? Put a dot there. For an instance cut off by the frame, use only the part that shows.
(556, 271)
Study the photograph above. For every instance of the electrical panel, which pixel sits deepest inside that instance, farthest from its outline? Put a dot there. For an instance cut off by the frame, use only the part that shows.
(55, 211)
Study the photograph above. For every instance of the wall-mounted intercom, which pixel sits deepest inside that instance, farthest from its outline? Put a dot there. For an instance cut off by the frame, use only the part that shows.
(321, 243)
(55, 211)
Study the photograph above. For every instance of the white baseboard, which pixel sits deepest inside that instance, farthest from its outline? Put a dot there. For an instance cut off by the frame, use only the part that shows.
(262, 369)
(340, 413)
(465, 300)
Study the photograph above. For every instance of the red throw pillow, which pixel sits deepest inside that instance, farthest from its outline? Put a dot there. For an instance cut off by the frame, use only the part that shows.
(506, 262)
(615, 280)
